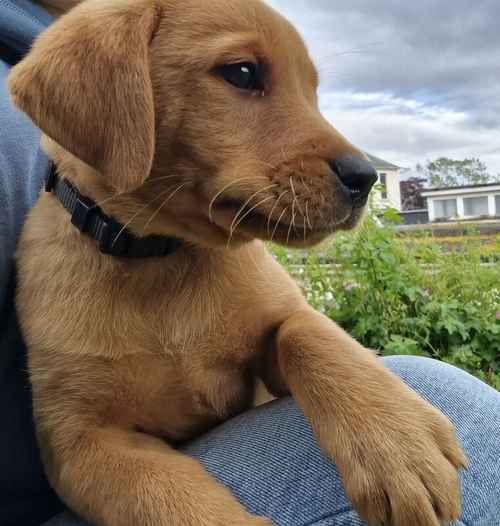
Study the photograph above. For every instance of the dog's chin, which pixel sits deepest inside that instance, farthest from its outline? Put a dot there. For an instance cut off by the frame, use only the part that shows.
(256, 225)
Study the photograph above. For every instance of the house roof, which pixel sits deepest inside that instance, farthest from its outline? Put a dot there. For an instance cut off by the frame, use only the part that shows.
(380, 164)
(464, 187)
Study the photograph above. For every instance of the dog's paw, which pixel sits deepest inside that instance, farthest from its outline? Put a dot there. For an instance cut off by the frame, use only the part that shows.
(400, 466)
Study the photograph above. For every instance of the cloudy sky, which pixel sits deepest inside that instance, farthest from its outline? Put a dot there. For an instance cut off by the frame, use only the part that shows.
(405, 80)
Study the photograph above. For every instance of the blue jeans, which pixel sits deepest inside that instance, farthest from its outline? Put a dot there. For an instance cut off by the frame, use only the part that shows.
(270, 460)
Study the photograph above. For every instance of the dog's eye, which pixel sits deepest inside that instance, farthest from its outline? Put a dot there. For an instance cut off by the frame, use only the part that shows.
(244, 75)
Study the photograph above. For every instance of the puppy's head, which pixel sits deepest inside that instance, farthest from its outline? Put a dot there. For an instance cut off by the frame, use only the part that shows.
(203, 116)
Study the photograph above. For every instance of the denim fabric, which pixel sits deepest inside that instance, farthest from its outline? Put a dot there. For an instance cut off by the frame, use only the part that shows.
(20, 23)
(25, 496)
(270, 460)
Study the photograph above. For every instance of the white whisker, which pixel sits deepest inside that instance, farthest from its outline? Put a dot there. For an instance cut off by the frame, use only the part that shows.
(114, 196)
(129, 222)
(272, 211)
(295, 198)
(292, 224)
(150, 220)
(278, 222)
(235, 219)
(220, 192)
(307, 215)
(251, 210)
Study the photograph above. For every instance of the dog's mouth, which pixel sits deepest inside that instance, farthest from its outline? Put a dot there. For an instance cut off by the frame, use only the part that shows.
(295, 228)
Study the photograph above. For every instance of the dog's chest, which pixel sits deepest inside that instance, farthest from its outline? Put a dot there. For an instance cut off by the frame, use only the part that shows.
(180, 397)
(204, 370)
(211, 339)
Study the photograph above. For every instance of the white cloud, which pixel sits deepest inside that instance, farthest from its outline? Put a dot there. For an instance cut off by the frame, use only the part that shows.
(408, 81)
(406, 131)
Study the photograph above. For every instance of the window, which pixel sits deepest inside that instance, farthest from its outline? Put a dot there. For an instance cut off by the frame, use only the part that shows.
(497, 205)
(476, 206)
(445, 208)
(383, 182)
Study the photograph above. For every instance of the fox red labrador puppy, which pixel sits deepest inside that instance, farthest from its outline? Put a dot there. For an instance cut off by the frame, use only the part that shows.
(196, 124)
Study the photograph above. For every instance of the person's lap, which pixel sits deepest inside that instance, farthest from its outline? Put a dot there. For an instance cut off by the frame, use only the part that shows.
(270, 460)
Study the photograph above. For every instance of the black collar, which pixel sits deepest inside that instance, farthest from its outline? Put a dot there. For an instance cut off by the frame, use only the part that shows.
(112, 237)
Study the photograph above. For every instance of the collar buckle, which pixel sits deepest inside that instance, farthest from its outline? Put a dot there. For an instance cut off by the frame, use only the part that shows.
(112, 239)
(81, 213)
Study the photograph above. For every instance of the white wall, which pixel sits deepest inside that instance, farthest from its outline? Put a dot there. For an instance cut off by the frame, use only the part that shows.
(459, 197)
(393, 190)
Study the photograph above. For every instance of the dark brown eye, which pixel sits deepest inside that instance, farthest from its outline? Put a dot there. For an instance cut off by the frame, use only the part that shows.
(243, 75)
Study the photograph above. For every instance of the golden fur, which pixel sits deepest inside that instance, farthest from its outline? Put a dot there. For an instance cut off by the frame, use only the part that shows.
(127, 357)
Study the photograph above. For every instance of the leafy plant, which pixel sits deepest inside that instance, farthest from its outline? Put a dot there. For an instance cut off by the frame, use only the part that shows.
(400, 297)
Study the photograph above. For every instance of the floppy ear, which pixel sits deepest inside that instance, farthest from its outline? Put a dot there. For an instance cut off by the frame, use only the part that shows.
(86, 84)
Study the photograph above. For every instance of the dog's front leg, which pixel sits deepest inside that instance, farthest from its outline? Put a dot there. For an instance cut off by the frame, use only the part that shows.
(119, 477)
(397, 455)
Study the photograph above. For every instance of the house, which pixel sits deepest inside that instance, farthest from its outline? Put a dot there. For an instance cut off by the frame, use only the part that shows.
(463, 202)
(388, 174)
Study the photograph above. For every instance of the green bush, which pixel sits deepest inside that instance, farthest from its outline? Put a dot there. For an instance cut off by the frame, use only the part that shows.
(403, 298)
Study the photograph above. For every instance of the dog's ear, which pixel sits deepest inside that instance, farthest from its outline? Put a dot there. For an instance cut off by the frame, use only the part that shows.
(86, 84)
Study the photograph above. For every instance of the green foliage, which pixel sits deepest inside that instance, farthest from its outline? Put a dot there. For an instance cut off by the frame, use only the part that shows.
(444, 172)
(404, 298)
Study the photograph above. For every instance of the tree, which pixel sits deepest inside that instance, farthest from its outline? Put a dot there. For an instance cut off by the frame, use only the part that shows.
(444, 172)
(411, 193)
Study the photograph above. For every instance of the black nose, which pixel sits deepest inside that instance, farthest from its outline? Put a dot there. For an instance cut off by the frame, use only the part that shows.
(357, 175)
